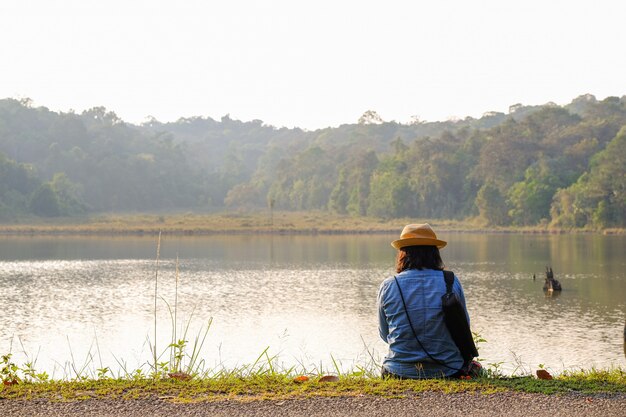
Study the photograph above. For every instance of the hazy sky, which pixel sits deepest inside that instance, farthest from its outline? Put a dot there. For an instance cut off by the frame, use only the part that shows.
(309, 63)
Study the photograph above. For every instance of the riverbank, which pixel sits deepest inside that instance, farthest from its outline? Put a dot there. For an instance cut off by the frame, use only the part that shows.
(585, 394)
(309, 223)
(284, 386)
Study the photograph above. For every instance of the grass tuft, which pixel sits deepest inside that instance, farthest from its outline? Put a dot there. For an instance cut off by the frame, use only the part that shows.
(280, 386)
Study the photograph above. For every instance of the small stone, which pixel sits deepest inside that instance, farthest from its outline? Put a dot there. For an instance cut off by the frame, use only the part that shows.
(543, 374)
(181, 376)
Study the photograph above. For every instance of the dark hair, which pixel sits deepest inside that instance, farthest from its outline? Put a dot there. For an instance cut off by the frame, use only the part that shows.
(418, 257)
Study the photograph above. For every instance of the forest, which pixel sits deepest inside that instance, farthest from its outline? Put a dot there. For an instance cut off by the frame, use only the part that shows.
(549, 165)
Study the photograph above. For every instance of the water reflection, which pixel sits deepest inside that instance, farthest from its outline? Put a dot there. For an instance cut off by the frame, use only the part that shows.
(307, 296)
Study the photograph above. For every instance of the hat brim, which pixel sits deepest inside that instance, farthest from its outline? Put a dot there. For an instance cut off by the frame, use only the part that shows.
(418, 241)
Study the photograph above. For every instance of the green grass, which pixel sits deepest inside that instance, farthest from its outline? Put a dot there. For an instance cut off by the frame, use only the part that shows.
(265, 378)
(583, 381)
(234, 388)
(282, 386)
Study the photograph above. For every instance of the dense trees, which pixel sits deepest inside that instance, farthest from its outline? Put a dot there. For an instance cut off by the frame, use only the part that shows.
(17, 183)
(598, 197)
(537, 164)
(94, 162)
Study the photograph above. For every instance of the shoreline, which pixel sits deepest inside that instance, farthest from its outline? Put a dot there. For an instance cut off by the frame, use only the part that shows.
(282, 223)
(269, 393)
(282, 386)
(281, 232)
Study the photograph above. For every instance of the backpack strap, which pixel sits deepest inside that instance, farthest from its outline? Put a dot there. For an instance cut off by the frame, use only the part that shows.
(449, 277)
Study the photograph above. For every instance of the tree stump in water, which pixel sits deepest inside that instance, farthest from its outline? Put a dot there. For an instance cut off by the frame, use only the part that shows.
(551, 284)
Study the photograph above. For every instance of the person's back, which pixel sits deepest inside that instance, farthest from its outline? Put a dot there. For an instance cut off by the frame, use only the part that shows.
(426, 350)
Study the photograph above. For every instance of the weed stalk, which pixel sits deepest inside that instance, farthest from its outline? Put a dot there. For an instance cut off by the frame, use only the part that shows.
(156, 289)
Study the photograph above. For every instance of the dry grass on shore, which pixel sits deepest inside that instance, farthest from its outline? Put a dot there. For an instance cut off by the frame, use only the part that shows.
(217, 223)
(317, 222)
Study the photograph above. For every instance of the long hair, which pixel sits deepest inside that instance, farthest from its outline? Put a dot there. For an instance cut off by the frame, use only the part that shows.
(418, 257)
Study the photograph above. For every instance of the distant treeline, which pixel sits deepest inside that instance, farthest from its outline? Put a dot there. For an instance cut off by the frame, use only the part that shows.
(549, 164)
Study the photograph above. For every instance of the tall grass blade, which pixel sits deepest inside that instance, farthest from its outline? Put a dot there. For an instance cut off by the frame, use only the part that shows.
(258, 359)
(174, 339)
(336, 365)
(197, 348)
(156, 289)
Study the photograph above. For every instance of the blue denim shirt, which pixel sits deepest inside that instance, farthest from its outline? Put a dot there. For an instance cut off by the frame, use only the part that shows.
(422, 290)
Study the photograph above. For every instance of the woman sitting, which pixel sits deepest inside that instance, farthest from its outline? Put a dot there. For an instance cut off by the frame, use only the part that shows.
(411, 318)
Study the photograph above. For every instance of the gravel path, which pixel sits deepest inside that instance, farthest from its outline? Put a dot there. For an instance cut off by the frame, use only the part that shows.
(430, 404)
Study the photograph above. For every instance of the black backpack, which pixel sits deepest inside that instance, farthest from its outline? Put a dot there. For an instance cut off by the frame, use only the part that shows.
(456, 320)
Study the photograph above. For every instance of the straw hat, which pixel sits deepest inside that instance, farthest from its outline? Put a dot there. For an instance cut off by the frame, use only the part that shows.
(418, 235)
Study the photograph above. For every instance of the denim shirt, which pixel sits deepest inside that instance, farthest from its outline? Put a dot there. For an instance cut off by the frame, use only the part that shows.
(422, 290)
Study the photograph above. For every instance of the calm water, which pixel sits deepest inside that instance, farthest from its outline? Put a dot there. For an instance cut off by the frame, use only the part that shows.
(306, 297)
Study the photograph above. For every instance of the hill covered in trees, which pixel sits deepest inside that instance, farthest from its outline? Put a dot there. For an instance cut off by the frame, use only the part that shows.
(549, 164)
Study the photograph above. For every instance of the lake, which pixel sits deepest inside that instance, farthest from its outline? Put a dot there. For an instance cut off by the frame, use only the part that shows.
(310, 299)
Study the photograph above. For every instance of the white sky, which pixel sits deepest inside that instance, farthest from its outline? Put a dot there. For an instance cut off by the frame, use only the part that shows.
(309, 63)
